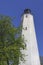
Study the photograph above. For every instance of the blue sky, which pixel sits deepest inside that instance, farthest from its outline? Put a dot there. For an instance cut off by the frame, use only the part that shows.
(16, 7)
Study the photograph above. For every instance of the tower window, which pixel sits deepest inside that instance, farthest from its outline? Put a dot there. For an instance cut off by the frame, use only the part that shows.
(25, 28)
(26, 16)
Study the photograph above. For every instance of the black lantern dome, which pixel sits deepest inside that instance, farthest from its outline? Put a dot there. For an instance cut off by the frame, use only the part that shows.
(27, 11)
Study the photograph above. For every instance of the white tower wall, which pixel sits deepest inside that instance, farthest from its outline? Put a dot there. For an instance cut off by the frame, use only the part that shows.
(28, 31)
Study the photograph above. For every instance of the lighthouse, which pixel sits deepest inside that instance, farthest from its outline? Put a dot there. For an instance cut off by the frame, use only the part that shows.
(28, 32)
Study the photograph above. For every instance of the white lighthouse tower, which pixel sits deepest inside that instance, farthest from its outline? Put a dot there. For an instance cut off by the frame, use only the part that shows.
(28, 31)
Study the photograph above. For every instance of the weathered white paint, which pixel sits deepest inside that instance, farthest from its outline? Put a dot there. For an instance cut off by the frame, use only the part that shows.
(31, 52)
